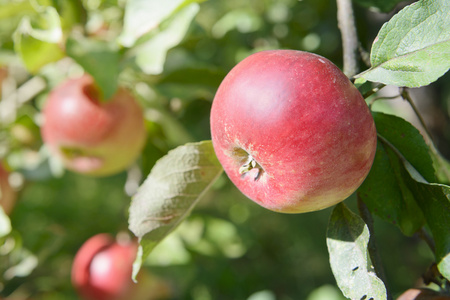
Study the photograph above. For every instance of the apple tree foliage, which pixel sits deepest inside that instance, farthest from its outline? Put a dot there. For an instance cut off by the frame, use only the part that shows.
(135, 42)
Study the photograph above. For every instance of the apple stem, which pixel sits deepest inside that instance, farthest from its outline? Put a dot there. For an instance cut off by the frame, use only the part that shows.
(249, 165)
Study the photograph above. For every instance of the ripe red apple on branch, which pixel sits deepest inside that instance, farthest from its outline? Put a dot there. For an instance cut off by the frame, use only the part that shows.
(91, 136)
(291, 131)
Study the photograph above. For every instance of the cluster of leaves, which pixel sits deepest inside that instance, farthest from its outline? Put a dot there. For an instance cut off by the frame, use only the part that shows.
(128, 42)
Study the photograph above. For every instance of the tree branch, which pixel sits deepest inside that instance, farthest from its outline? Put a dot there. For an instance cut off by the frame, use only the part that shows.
(346, 24)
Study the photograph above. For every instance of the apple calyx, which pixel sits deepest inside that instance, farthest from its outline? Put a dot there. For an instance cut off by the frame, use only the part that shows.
(251, 164)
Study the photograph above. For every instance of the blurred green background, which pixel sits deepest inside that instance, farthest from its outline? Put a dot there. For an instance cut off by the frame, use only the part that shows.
(229, 248)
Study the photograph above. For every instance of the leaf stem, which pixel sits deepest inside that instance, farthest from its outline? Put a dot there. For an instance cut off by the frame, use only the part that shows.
(372, 248)
(373, 91)
(382, 98)
(405, 95)
(346, 24)
(427, 238)
(10, 104)
(365, 55)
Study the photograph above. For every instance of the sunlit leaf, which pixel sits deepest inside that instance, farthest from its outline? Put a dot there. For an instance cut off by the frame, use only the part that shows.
(262, 295)
(39, 46)
(243, 20)
(151, 55)
(170, 192)
(12, 9)
(5, 223)
(24, 263)
(413, 48)
(347, 241)
(141, 16)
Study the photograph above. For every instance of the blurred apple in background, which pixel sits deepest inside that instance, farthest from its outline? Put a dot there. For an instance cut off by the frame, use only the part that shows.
(102, 270)
(92, 136)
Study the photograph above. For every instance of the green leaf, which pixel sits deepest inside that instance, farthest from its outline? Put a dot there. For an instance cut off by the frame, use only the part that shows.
(39, 46)
(12, 9)
(413, 48)
(380, 5)
(434, 200)
(151, 55)
(141, 16)
(347, 241)
(246, 20)
(385, 191)
(387, 195)
(442, 167)
(98, 58)
(71, 13)
(170, 192)
(408, 140)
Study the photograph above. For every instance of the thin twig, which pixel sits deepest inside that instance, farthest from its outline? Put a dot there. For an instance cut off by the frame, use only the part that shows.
(364, 54)
(373, 251)
(373, 91)
(346, 24)
(382, 98)
(407, 97)
(26, 92)
(427, 238)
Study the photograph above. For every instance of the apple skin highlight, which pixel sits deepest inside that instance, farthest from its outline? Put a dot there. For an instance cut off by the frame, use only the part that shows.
(302, 125)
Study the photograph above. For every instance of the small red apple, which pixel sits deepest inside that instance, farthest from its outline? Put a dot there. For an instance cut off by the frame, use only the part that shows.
(422, 294)
(102, 268)
(91, 136)
(8, 195)
(291, 131)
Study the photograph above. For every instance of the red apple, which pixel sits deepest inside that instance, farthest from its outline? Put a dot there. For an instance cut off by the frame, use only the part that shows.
(291, 131)
(102, 268)
(422, 294)
(91, 136)
(8, 195)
